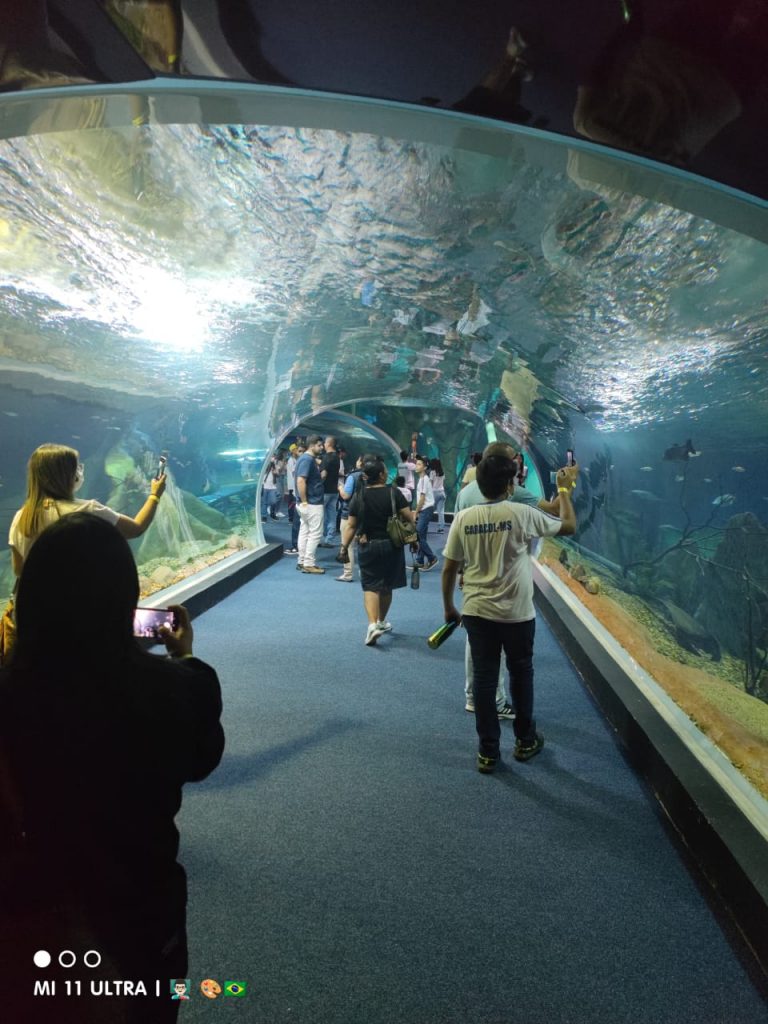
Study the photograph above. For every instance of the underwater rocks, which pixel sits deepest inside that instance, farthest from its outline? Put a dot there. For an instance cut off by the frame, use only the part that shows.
(689, 633)
(733, 598)
(590, 583)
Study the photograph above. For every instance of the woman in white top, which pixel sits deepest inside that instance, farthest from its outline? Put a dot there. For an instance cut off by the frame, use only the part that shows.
(54, 475)
(437, 479)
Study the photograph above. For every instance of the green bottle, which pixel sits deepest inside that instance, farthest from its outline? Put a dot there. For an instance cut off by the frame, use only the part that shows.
(441, 634)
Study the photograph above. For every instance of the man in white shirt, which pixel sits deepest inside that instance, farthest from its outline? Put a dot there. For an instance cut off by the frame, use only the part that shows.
(491, 541)
(468, 496)
(405, 468)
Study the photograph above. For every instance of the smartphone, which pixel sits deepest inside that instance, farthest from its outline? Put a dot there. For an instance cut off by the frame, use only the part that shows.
(570, 457)
(161, 463)
(147, 622)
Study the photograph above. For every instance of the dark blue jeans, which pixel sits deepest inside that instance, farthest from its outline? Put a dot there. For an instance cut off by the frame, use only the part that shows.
(422, 525)
(295, 527)
(487, 638)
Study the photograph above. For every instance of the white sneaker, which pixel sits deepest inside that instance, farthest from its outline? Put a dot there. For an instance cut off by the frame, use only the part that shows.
(385, 627)
(373, 634)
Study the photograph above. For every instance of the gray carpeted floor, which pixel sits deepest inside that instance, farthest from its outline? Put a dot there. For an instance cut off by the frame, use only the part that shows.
(350, 865)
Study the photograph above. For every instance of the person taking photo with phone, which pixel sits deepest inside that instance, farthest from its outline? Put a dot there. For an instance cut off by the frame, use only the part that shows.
(490, 541)
(54, 475)
(97, 738)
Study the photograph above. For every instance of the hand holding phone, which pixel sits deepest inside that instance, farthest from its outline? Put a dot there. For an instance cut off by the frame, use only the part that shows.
(570, 458)
(148, 622)
(178, 640)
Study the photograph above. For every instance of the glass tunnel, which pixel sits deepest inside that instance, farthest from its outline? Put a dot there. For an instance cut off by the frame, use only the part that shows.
(208, 270)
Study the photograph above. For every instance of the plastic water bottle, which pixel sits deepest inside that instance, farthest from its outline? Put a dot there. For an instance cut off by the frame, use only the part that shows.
(441, 634)
(415, 578)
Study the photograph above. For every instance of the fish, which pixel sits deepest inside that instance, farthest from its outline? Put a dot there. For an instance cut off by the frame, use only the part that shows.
(738, 469)
(707, 479)
(724, 499)
(646, 495)
(646, 469)
(6, 413)
(680, 452)
(679, 479)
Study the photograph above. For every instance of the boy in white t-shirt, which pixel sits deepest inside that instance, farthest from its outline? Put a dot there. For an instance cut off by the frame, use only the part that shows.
(425, 506)
(491, 541)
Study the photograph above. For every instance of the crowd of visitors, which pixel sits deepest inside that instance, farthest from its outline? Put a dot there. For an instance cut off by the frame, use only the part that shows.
(89, 826)
(495, 527)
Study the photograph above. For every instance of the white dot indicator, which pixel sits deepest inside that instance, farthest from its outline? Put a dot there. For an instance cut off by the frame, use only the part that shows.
(42, 958)
(95, 958)
(67, 958)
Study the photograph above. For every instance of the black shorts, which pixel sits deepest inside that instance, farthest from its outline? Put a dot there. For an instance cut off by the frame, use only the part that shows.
(382, 566)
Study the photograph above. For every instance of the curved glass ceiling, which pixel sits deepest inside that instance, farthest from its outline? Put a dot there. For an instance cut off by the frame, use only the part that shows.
(203, 239)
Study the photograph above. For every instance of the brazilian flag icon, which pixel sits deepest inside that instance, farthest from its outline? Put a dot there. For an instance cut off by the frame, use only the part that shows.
(234, 988)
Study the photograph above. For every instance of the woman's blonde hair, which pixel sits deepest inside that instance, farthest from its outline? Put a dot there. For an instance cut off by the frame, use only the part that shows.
(51, 473)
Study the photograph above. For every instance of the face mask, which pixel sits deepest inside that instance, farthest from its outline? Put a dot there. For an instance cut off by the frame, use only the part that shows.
(79, 478)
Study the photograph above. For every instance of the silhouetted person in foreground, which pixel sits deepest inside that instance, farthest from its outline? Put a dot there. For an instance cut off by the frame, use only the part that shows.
(97, 738)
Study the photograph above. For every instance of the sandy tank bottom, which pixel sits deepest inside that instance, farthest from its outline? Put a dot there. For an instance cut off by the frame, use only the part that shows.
(710, 693)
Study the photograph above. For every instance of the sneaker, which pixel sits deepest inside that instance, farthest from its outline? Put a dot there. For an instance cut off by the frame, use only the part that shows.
(486, 765)
(525, 751)
(429, 565)
(279, 515)
(299, 566)
(290, 551)
(385, 627)
(507, 711)
(315, 570)
(344, 579)
(325, 544)
(373, 634)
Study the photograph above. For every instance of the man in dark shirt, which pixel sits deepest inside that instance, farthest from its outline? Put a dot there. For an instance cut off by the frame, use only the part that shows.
(311, 492)
(330, 472)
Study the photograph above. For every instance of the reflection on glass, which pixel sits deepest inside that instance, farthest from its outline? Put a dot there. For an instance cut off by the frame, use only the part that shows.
(666, 88)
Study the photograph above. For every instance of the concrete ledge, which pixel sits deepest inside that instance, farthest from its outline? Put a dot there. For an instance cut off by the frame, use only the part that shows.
(722, 830)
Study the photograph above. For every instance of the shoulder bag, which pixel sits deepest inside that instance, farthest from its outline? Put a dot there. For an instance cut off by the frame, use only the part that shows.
(399, 532)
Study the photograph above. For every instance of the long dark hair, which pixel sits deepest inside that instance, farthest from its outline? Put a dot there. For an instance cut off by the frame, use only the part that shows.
(77, 594)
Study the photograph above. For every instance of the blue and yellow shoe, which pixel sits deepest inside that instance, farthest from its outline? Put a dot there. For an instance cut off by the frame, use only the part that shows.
(525, 751)
(486, 765)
